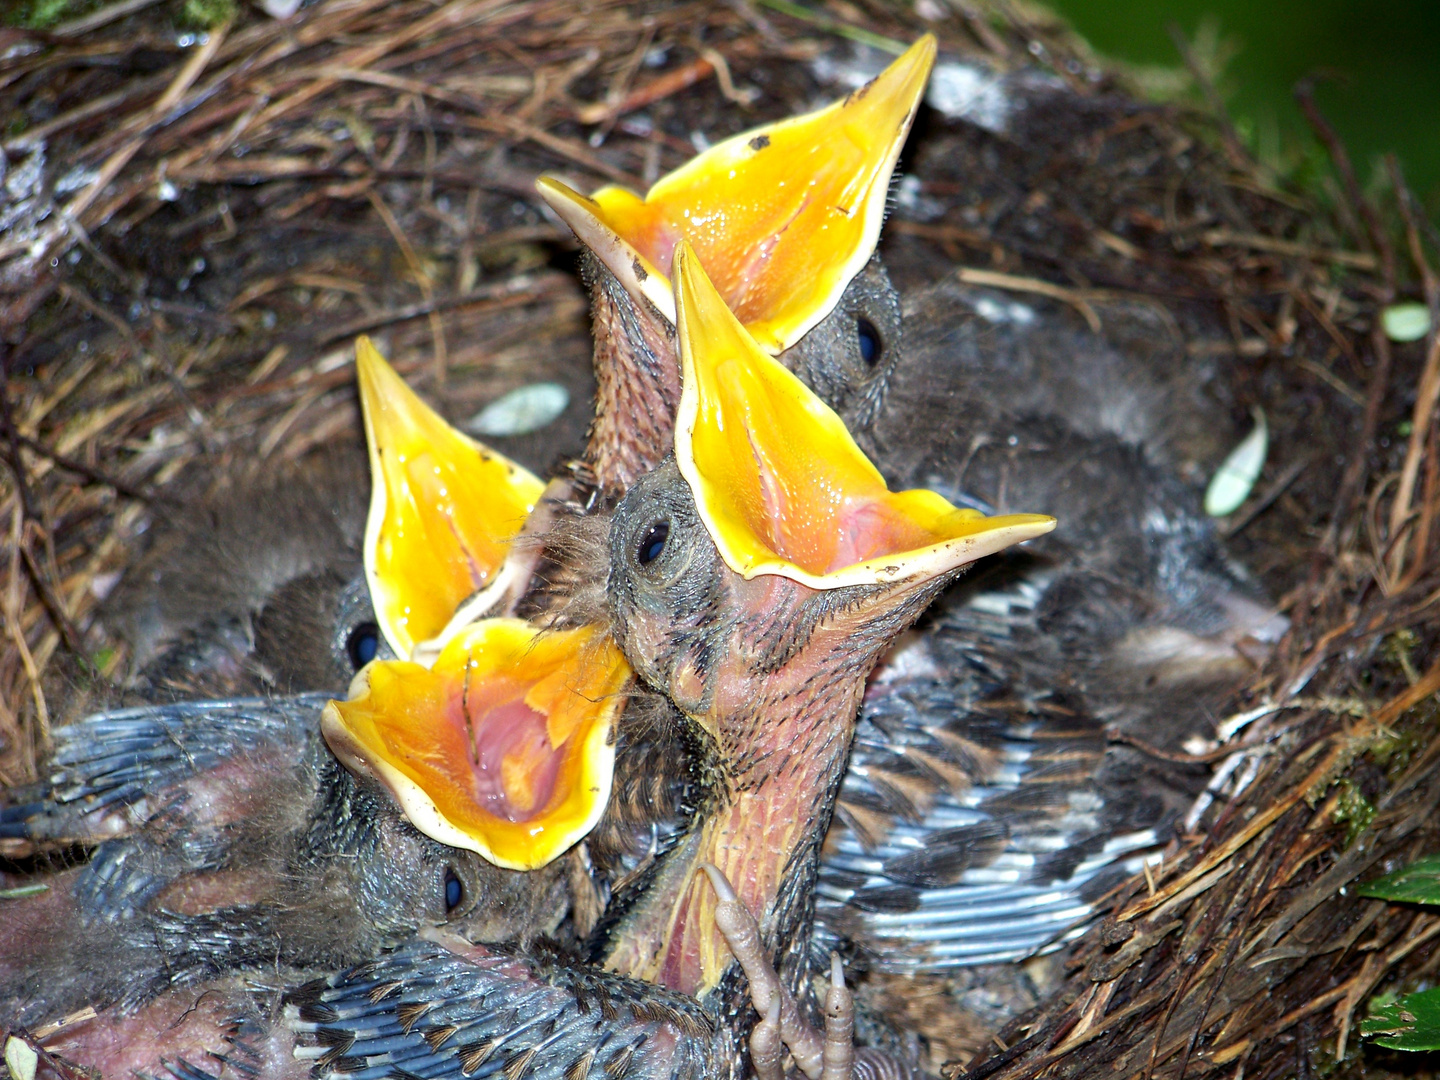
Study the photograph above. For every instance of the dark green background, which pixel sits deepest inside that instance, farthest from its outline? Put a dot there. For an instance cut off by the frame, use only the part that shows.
(1385, 54)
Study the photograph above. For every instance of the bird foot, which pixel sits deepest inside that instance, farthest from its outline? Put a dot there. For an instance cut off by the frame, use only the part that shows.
(820, 1056)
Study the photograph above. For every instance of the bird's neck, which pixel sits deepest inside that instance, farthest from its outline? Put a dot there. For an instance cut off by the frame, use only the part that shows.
(784, 754)
(637, 386)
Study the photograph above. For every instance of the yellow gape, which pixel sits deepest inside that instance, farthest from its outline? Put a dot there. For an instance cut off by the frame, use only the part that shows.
(779, 482)
(443, 508)
(781, 217)
(504, 747)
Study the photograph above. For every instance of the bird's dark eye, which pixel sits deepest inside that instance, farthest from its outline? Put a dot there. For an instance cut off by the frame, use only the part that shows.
(454, 891)
(653, 542)
(869, 339)
(362, 644)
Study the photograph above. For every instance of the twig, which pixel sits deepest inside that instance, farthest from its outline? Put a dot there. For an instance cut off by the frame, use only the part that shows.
(1221, 237)
(1077, 298)
(1234, 148)
(58, 615)
(658, 89)
(1116, 735)
(167, 101)
(1305, 96)
(91, 473)
(103, 17)
(28, 509)
(518, 288)
(1274, 491)
(422, 279)
(1426, 396)
(853, 33)
(621, 79)
(1353, 479)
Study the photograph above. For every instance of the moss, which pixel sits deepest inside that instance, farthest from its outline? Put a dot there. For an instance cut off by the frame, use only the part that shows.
(206, 14)
(1352, 810)
(1409, 735)
(1395, 753)
(1399, 649)
(42, 14)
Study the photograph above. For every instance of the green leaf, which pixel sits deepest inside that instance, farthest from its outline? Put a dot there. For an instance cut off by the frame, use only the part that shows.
(1418, 883)
(1405, 322)
(23, 891)
(1412, 1023)
(1232, 482)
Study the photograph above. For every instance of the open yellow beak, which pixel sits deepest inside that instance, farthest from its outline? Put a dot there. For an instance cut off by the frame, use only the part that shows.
(503, 748)
(779, 482)
(781, 217)
(443, 508)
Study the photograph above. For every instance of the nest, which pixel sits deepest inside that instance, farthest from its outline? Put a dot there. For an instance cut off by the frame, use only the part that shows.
(194, 232)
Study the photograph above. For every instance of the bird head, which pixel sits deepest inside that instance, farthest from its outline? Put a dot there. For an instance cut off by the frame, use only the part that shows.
(504, 746)
(785, 219)
(770, 527)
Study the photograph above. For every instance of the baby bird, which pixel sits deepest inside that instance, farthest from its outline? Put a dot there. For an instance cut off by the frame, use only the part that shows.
(785, 219)
(226, 838)
(759, 623)
(256, 587)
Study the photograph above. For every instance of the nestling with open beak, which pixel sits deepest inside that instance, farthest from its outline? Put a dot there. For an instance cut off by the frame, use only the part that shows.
(227, 838)
(753, 581)
(784, 219)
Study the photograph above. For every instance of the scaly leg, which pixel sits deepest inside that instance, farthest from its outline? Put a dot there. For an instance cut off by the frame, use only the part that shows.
(831, 1057)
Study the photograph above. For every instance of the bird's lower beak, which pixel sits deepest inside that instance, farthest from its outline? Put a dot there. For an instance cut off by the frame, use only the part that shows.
(781, 217)
(443, 508)
(503, 748)
(779, 482)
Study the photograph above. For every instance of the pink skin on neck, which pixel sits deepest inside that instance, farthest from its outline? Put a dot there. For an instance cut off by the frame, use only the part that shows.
(783, 736)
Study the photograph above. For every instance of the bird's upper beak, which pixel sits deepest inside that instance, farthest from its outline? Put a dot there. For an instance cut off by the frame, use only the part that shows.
(781, 217)
(779, 482)
(443, 508)
(503, 748)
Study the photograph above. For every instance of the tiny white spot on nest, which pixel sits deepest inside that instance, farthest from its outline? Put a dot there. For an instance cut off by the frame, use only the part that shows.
(166, 191)
(280, 9)
(1233, 481)
(102, 584)
(521, 411)
(967, 92)
(1198, 746)
(996, 311)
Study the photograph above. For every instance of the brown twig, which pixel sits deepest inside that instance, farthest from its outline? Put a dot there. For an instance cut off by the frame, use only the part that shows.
(1379, 241)
(98, 476)
(30, 511)
(1427, 395)
(1234, 148)
(1358, 460)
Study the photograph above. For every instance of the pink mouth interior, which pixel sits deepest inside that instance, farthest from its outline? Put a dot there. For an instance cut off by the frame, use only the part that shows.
(509, 741)
(870, 530)
(827, 534)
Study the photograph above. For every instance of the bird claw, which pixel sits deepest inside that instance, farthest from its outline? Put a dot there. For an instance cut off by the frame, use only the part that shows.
(827, 1056)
